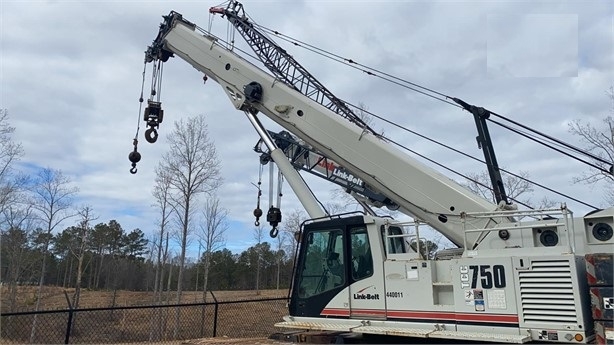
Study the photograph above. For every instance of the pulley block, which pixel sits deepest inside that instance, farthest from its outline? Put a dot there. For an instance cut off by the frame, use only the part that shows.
(153, 112)
(253, 92)
(273, 216)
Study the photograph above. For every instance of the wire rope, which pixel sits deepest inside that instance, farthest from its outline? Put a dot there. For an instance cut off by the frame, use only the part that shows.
(445, 99)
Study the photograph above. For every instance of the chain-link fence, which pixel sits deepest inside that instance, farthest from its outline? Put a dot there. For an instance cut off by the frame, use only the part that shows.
(159, 323)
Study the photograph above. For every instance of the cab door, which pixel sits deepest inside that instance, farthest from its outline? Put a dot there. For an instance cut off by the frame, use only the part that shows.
(367, 292)
(322, 275)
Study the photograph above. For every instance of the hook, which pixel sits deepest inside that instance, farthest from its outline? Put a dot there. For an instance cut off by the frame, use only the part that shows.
(274, 232)
(133, 169)
(151, 135)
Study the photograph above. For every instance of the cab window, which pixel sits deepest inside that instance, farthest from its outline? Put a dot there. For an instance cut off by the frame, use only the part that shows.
(395, 245)
(324, 266)
(362, 260)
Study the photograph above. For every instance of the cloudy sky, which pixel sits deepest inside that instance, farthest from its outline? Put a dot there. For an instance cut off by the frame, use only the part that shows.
(71, 78)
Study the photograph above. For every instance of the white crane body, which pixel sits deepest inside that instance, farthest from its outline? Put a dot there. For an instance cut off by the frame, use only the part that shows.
(517, 276)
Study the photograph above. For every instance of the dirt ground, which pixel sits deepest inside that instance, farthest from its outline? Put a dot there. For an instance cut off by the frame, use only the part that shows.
(220, 341)
(234, 341)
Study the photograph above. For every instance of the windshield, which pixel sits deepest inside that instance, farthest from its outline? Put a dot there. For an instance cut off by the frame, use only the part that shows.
(324, 263)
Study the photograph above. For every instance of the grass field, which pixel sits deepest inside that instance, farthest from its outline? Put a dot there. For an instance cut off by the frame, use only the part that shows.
(235, 320)
(54, 297)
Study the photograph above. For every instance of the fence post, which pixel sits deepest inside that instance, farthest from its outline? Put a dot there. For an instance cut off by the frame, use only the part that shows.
(69, 323)
(202, 315)
(202, 319)
(214, 314)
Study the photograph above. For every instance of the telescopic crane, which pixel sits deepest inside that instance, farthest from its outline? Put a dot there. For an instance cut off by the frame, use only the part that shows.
(517, 275)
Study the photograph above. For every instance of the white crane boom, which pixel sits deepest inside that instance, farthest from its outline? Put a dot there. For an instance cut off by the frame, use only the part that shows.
(426, 194)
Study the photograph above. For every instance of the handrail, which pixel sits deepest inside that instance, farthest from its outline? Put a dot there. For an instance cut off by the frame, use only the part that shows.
(540, 214)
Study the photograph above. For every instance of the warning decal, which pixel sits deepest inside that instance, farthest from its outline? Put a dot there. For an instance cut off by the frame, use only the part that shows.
(496, 299)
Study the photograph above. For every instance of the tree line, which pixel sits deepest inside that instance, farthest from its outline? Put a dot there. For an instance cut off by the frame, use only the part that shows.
(115, 259)
(98, 255)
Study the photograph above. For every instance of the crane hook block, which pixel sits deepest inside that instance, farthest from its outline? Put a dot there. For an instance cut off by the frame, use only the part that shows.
(153, 116)
(153, 112)
(257, 214)
(273, 216)
(134, 157)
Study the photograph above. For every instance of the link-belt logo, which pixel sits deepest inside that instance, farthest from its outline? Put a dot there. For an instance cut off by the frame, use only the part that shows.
(340, 172)
(361, 295)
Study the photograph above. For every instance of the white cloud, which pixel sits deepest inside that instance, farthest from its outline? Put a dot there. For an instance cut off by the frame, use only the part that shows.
(71, 77)
(538, 45)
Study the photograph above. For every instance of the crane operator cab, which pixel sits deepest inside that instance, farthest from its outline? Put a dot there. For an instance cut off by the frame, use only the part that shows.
(340, 264)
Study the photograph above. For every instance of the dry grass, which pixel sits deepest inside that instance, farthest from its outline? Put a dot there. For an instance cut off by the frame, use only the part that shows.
(253, 320)
(54, 298)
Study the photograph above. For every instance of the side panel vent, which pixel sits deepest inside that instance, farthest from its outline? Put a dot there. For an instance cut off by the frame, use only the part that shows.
(547, 292)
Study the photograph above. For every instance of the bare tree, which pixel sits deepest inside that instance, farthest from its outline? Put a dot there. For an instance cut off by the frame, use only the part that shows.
(281, 240)
(258, 237)
(161, 193)
(9, 153)
(339, 205)
(9, 150)
(52, 198)
(428, 248)
(212, 234)
(193, 168)
(83, 238)
(363, 113)
(84, 233)
(15, 247)
(599, 141)
(517, 188)
(479, 183)
(344, 201)
(292, 227)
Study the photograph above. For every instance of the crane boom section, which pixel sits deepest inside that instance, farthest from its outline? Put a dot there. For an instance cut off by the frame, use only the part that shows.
(425, 193)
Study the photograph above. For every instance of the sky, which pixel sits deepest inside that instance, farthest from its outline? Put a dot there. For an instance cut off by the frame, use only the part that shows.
(71, 74)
